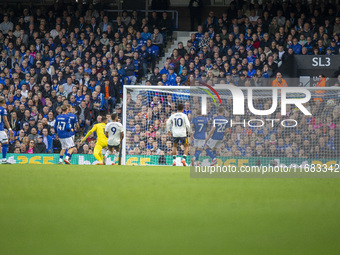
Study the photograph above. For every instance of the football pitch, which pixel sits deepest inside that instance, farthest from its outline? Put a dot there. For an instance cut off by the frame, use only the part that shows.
(60, 209)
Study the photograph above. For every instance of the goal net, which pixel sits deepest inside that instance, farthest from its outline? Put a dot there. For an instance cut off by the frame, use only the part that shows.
(245, 126)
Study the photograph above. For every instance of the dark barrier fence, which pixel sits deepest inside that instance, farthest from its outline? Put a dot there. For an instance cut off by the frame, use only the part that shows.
(316, 65)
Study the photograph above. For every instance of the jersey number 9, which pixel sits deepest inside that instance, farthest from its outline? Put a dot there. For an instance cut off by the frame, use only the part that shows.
(113, 130)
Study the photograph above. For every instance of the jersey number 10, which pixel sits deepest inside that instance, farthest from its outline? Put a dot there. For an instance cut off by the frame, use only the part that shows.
(178, 122)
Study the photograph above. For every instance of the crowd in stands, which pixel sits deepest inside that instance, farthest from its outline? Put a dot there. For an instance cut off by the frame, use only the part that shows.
(75, 54)
(249, 42)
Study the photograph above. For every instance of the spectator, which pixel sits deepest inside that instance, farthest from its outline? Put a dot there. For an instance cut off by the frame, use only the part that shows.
(84, 116)
(336, 28)
(279, 81)
(31, 147)
(195, 8)
(157, 40)
(33, 134)
(156, 76)
(165, 25)
(47, 140)
(104, 24)
(109, 94)
(40, 146)
(14, 121)
(6, 25)
(130, 71)
(297, 48)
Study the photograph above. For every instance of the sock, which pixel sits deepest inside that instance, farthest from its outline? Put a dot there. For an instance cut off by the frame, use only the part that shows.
(174, 158)
(61, 158)
(184, 157)
(4, 152)
(66, 152)
(210, 153)
(69, 155)
(197, 154)
(107, 153)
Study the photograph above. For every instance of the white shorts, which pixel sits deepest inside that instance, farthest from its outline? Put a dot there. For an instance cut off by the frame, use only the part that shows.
(67, 143)
(213, 143)
(199, 143)
(3, 137)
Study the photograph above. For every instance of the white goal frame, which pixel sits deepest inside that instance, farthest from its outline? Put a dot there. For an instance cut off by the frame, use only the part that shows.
(124, 112)
(203, 96)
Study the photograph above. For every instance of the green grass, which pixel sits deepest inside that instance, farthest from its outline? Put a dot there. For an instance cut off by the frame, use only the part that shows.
(52, 209)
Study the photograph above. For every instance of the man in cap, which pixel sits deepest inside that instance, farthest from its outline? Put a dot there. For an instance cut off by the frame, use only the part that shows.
(40, 145)
(184, 74)
(171, 76)
(32, 122)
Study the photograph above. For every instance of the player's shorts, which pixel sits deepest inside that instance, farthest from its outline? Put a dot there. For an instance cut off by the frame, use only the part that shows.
(199, 143)
(213, 143)
(182, 140)
(3, 137)
(116, 147)
(67, 143)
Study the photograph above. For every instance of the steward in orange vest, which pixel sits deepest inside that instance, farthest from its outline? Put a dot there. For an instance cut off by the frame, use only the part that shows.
(321, 83)
(279, 82)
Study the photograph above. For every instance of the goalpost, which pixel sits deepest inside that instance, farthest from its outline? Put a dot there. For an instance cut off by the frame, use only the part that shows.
(178, 94)
(249, 138)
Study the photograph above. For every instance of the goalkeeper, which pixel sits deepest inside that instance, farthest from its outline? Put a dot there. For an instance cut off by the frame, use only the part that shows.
(101, 139)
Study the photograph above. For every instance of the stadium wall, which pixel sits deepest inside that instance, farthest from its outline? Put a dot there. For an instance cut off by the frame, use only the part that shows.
(85, 159)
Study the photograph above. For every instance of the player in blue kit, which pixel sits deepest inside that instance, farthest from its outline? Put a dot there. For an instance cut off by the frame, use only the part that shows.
(73, 121)
(65, 133)
(3, 136)
(216, 135)
(199, 125)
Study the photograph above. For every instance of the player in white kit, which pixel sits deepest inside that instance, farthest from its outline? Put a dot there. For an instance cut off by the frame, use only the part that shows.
(114, 132)
(179, 124)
